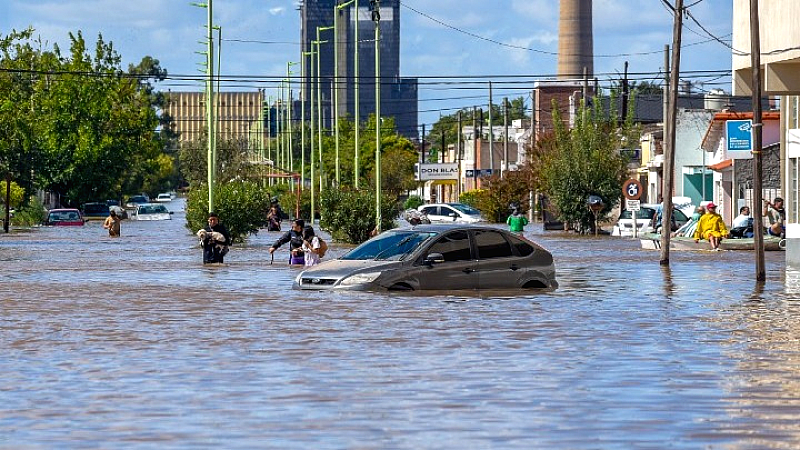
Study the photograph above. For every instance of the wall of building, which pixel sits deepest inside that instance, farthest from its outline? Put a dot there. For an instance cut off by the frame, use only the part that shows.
(237, 113)
(399, 98)
(780, 57)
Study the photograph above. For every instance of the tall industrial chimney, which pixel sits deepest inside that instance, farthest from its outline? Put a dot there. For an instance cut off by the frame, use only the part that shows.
(575, 47)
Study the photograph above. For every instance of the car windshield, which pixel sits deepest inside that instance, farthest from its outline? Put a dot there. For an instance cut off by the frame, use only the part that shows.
(392, 245)
(63, 216)
(466, 209)
(153, 209)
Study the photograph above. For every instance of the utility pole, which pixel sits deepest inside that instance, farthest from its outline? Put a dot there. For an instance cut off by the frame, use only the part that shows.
(475, 164)
(757, 130)
(422, 147)
(669, 150)
(459, 156)
(665, 113)
(625, 93)
(491, 137)
(505, 137)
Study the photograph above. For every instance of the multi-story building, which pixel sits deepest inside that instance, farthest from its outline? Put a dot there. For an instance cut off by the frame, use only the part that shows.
(780, 63)
(398, 95)
(238, 113)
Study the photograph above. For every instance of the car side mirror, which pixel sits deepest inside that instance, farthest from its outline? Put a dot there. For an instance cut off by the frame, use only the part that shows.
(434, 258)
(453, 215)
(172, 212)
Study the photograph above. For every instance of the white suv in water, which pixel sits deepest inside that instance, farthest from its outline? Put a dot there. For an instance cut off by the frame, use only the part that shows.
(644, 220)
(451, 213)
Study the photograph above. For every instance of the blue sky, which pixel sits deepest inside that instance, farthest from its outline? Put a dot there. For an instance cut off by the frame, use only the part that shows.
(516, 38)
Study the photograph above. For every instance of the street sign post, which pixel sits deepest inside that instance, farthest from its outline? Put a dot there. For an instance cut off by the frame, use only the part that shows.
(632, 191)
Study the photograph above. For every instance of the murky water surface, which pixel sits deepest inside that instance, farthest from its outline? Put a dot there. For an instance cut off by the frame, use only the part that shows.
(133, 343)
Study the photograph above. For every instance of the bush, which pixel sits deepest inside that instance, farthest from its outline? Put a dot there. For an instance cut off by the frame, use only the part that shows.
(30, 215)
(349, 215)
(241, 205)
(501, 193)
(413, 202)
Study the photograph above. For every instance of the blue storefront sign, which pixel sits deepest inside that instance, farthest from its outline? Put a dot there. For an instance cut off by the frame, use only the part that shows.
(739, 136)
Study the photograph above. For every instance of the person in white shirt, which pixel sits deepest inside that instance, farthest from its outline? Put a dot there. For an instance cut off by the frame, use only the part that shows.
(311, 247)
(742, 225)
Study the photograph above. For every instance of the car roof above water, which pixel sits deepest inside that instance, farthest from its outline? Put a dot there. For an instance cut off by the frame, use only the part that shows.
(442, 227)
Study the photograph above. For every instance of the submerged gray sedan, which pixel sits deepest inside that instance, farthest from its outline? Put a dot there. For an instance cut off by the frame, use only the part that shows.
(437, 257)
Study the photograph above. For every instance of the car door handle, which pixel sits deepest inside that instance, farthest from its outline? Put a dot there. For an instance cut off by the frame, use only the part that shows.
(514, 267)
(468, 270)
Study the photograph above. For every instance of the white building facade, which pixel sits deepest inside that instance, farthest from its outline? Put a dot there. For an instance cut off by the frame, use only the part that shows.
(780, 68)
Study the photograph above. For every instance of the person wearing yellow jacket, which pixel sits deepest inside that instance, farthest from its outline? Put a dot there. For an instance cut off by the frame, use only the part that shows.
(711, 227)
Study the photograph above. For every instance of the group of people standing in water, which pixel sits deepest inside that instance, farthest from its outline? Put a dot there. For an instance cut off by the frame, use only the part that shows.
(305, 248)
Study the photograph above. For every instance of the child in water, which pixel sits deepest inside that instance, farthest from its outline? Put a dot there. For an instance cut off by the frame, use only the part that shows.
(310, 247)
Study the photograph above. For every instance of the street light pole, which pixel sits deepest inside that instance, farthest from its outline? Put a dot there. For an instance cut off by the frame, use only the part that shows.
(211, 154)
(311, 111)
(319, 106)
(304, 94)
(289, 77)
(336, 11)
(356, 113)
(376, 17)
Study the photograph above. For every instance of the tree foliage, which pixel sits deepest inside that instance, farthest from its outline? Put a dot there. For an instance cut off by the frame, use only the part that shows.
(586, 161)
(87, 129)
(241, 206)
(350, 214)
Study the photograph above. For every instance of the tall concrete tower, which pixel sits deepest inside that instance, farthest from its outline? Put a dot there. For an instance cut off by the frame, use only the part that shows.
(575, 47)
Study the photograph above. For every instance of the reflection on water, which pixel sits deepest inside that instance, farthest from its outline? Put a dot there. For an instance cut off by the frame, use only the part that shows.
(133, 343)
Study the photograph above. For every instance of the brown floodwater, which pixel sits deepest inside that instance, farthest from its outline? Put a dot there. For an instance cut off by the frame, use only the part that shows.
(133, 343)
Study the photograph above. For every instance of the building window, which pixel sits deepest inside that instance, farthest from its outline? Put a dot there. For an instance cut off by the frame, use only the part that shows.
(795, 102)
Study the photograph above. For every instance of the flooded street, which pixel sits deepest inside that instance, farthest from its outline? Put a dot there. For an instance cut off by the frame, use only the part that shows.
(133, 343)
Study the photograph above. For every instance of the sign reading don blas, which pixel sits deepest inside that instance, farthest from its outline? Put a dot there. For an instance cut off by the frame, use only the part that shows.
(445, 171)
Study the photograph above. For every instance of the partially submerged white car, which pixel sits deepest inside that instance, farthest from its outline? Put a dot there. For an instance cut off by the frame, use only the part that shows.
(151, 211)
(451, 213)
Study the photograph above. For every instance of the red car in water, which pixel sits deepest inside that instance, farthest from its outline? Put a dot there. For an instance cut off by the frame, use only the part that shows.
(64, 217)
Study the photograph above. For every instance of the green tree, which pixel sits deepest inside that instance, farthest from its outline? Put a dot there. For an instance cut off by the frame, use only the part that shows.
(96, 124)
(20, 153)
(17, 196)
(241, 206)
(586, 161)
(349, 214)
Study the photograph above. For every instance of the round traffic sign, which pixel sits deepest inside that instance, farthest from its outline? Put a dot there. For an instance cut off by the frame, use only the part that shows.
(632, 189)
